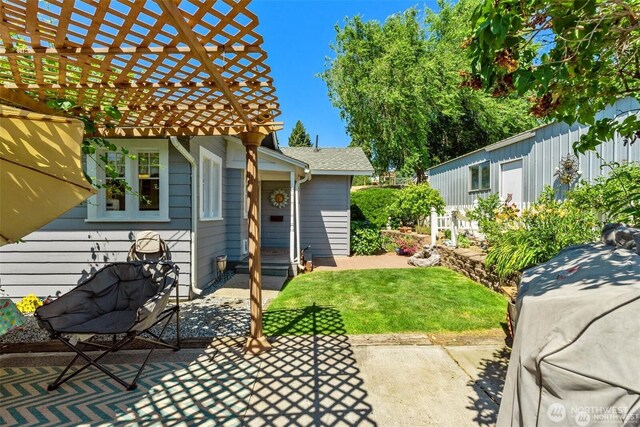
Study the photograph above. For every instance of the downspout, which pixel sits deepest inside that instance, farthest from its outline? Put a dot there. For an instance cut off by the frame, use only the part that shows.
(307, 177)
(194, 211)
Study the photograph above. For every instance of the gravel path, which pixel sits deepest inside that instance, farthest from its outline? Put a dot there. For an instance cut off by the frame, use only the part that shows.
(209, 316)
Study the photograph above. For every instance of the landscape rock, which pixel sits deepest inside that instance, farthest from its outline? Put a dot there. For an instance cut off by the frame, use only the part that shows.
(620, 235)
(427, 257)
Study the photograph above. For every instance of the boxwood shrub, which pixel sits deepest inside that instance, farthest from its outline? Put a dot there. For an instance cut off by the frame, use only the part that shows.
(371, 204)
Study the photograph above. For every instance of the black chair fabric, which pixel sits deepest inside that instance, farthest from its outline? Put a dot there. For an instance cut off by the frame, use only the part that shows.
(119, 298)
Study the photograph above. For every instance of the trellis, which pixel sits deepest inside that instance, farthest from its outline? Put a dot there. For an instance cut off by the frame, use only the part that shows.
(183, 67)
(190, 67)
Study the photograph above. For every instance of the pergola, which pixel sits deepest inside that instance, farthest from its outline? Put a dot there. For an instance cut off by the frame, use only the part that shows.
(171, 68)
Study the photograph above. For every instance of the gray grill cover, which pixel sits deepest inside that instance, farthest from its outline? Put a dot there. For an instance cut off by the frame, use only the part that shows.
(576, 354)
(119, 298)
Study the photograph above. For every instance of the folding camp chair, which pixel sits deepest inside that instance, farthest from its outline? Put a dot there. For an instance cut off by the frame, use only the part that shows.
(124, 298)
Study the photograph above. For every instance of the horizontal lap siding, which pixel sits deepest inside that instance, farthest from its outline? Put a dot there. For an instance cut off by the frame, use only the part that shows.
(324, 215)
(52, 261)
(541, 155)
(234, 215)
(65, 251)
(211, 235)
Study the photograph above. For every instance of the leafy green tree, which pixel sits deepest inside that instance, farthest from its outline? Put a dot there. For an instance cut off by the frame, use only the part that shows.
(299, 136)
(573, 57)
(398, 87)
(377, 83)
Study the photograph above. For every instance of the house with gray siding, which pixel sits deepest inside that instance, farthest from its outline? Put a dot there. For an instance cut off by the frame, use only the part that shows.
(194, 195)
(519, 167)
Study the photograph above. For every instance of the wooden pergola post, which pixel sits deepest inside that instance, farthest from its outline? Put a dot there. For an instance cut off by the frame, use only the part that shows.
(257, 342)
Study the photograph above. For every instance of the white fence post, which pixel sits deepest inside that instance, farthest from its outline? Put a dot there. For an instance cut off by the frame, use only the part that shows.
(454, 228)
(434, 226)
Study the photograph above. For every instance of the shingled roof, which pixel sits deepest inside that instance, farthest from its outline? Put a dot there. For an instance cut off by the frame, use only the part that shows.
(350, 160)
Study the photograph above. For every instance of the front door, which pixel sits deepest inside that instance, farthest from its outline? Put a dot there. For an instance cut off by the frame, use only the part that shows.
(511, 187)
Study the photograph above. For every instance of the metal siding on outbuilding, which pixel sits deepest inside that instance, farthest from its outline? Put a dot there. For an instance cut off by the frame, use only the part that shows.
(541, 155)
(68, 249)
(324, 215)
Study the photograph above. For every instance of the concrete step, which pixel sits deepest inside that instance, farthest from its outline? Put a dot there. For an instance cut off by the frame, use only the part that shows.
(279, 270)
(238, 287)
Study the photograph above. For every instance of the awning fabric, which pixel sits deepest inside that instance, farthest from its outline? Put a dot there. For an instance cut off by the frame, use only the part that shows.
(41, 173)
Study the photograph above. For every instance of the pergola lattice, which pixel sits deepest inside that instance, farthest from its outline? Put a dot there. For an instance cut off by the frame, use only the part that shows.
(183, 67)
(190, 67)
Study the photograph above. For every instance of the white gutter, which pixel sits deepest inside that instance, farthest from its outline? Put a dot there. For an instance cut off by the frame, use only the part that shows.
(292, 232)
(307, 177)
(194, 211)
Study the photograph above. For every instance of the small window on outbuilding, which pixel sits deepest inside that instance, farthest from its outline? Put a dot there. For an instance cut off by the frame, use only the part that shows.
(480, 177)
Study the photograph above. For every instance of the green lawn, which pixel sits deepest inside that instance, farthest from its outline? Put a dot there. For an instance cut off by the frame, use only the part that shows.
(383, 301)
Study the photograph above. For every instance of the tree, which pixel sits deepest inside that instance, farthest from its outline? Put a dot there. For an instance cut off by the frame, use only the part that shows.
(463, 119)
(573, 57)
(398, 87)
(299, 136)
(376, 83)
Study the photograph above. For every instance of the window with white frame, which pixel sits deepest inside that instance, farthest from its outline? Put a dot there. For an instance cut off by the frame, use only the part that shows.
(480, 178)
(145, 169)
(210, 186)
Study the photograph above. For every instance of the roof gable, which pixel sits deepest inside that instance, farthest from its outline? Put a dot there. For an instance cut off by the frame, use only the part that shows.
(347, 161)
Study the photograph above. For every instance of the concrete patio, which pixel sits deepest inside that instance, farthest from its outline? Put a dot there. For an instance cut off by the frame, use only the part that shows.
(304, 380)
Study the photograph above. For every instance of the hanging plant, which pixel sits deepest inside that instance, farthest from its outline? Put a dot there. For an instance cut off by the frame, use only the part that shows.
(279, 198)
(568, 169)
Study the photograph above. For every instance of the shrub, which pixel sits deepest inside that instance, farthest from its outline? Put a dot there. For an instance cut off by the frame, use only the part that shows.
(463, 242)
(388, 245)
(491, 215)
(616, 196)
(413, 204)
(371, 204)
(365, 238)
(539, 234)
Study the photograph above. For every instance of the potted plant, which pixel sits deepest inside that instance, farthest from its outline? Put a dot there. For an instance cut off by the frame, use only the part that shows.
(406, 245)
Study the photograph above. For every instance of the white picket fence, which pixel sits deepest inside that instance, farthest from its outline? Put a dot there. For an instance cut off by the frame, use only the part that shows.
(454, 220)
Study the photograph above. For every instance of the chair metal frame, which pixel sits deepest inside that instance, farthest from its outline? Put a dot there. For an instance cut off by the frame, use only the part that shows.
(118, 344)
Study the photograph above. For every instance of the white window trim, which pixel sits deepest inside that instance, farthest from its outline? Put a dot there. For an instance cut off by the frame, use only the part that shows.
(206, 154)
(96, 205)
(480, 166)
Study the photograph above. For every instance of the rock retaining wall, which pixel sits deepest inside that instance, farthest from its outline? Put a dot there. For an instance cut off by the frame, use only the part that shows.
(424, 239)
(471, 263)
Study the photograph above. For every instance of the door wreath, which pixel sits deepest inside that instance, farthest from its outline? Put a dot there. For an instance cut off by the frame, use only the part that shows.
(279, 198)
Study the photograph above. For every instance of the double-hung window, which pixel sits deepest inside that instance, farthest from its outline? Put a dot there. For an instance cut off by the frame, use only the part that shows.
(480, 177)
(210, 186)
(145, 169)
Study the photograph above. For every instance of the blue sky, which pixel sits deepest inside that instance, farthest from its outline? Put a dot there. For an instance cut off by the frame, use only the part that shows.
(297, 35)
